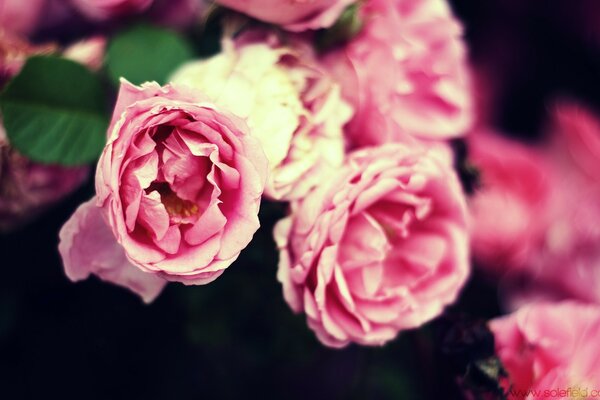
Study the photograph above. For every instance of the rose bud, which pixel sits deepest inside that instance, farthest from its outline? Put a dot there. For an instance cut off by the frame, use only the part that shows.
(178, 188)
(100, 10)
(289, 103)
(291, 15)
(405, 73)
(550, 347)
(381, 246)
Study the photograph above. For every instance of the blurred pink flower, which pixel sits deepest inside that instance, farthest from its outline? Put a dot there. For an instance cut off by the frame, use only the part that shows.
(379, 247)
(535, 219)
(178, 185)
(293, 15)
(550, 346)
(576, 133)
(28, 188)
(19, 16)
(569, 258)
(405, 73)
(290, 104)
(106, 9)
(508, 210)
(89, 52)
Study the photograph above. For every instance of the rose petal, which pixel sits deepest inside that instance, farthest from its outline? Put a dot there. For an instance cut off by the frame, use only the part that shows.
(87, 246)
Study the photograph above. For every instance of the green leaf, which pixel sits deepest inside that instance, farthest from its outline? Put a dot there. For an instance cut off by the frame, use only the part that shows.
(146, 53)
(348, 25)
(54, 112)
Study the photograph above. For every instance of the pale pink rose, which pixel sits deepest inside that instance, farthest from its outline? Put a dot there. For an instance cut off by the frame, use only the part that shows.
(106, 9)
(293, 107)
(405, 73)
(293, 15)
(89, 52)
(178, 184)
(28, 188)
(20, 16)
(379, 247)
(550, 346)
(509, 210)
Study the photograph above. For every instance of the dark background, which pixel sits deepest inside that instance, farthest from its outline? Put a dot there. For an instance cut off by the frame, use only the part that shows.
(236, 338)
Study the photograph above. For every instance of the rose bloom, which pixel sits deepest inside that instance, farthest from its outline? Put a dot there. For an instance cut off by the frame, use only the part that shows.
(550, 346)
(178, 188)
(509, 209)
(289, 103)
(379, 247)
(107, 9)
(293, 15)
(405, 73)
(20, 16)
(545, 244)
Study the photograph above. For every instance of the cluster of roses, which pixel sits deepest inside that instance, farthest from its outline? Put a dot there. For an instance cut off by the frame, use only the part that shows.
(376, 240)
(354, 140)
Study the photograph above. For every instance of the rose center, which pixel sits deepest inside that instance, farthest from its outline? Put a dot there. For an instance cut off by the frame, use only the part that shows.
(176, 207)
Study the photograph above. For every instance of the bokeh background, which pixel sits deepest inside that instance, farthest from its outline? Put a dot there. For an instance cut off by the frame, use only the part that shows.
(236, 338)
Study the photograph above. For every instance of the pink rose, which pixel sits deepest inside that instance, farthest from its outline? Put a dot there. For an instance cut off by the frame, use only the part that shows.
(548, 346)
(107, 9)
(554, 239)
(405, 73)
(28, 188)
(508, 210)
(20, 16)
(293, 15)
(569, 257)
(178, 188)
(290, 104)
(379, 247)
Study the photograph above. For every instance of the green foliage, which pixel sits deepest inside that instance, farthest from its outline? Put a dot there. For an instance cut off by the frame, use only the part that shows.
(146, 53)
(53, 112)
(348, 25)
